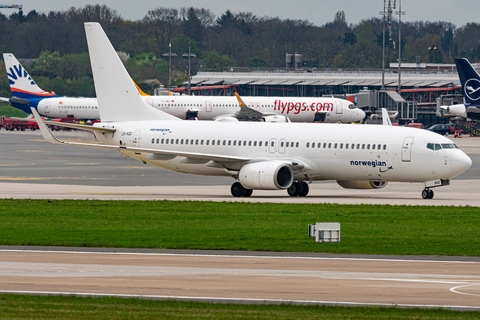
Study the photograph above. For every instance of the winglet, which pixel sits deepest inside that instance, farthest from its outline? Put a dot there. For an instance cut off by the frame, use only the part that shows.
(386, 118)
(46, 133)
(240, 100)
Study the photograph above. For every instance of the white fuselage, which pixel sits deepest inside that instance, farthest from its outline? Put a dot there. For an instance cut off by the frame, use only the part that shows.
(323, 109)
(325, 151)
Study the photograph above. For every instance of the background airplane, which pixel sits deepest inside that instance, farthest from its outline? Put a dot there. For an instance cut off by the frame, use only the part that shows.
(470, 81)
(26, 94)
(262, 156)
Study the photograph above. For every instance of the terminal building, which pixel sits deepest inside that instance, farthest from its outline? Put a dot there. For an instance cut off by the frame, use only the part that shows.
(423, 86)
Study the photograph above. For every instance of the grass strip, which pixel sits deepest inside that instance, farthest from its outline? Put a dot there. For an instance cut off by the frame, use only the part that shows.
(365, 229)
(71, 307)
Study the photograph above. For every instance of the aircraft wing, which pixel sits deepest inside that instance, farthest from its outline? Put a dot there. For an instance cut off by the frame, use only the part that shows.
(245, 112)
(48, 135)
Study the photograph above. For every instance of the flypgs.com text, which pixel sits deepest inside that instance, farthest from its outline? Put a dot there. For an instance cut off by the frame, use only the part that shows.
(297, 107)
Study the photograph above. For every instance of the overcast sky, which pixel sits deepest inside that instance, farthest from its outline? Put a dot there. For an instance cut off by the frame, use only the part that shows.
(318, 12)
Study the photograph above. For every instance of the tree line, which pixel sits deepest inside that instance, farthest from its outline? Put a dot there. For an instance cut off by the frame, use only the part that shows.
(56, 40)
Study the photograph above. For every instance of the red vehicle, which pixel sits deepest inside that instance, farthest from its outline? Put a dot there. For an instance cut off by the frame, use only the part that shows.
(20, 124)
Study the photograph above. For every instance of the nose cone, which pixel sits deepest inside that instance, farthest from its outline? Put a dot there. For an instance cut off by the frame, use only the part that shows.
(460, 162)
(360, 114)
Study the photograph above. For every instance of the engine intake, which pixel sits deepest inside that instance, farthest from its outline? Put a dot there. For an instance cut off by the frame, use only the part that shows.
(268, 175)
(362, 184)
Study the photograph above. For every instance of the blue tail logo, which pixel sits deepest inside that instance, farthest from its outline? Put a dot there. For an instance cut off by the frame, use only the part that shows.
(469, 79)
(16, 73)
(472, 89)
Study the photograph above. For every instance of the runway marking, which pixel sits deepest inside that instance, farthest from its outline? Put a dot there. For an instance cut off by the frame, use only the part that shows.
(454, 289)
(242, 300)
(22, 178)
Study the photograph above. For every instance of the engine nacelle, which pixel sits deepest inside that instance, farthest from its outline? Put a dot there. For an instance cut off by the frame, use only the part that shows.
(226, 119)
(268, 175)
(362, 184)
(276, 118)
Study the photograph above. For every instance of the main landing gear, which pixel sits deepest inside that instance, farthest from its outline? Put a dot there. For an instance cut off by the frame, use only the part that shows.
(238, 190)
(427, 193)
(298, 189)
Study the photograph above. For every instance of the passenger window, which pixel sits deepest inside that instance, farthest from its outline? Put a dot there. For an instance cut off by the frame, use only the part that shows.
(308, 144)
(297, 144)
(373, 147)
(341, 145)
(153, 140)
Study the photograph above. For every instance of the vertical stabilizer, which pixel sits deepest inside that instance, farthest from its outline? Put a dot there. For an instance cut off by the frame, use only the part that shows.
(118, 99)
(470, 81)
(386, 118)
(21, 83)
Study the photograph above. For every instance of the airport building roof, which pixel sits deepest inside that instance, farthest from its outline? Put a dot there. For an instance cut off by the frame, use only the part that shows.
(358, 78)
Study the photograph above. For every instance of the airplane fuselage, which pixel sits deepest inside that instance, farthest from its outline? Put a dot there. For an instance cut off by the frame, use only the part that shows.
(329, 110)
(325, 152)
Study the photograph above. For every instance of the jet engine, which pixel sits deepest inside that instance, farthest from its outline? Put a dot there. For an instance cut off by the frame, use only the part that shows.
(268, 175)
(276, 118)
(226, 119)
(362, 184)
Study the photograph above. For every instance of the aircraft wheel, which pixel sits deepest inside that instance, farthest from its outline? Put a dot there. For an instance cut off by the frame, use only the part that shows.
(304, 189)
(430, 194)
(237, 189)
(426, 193)
(247, 193)
(294, 189)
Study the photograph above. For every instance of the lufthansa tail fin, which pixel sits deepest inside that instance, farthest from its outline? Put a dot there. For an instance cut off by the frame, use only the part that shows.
(470, 81)
(118, 99)
(21, 83)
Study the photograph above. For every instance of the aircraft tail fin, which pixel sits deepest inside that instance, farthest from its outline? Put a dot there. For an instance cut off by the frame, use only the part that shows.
(22, 86)
(118, 99)
(470, 81)
(386, 118)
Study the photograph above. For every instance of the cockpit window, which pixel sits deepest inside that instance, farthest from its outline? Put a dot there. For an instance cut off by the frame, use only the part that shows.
(351, 106)
(439, 146)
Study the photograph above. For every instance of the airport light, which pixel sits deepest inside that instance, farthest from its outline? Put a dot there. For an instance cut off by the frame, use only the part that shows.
(170, 55)
(400, 13)
(189, 55)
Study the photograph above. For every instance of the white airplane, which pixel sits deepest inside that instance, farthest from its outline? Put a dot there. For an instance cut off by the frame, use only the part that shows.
(261, 156)
(26, 94)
